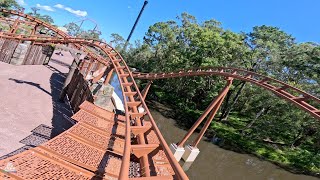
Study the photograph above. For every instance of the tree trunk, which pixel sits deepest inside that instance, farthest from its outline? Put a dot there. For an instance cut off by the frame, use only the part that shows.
(224, 116)
(259, 114)
(303, 135)
(317, 145)
(296, 140)
(225, 104)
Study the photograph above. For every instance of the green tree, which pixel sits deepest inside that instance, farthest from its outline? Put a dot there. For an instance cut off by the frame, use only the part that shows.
(34, 11)
(267, 47)
(9, 4)
(90, 34)
(76, 31)
(73, 29)
(45, 18)
(117, 41)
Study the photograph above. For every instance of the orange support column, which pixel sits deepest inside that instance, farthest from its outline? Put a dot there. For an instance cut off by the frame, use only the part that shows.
(34, 29)
(178, 150)
(146, 90)
(14, 26)
(88, 68)
(109, 75)
(206, 112)
(191, 151)
(81, 66)
(208, 122)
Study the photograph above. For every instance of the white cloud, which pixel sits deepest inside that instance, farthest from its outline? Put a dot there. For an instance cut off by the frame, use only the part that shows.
(21, 2)
(44, 7)
(59, 6)
(75, 12)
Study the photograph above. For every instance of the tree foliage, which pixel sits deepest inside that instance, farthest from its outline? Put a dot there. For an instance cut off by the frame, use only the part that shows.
(72, 28)
(76, 31)
(9, 4)
(45, 18)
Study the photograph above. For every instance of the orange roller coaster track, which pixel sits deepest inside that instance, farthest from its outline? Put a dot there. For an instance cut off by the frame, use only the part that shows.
(294, 95)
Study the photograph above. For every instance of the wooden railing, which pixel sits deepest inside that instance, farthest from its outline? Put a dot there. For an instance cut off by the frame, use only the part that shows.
(78, 91)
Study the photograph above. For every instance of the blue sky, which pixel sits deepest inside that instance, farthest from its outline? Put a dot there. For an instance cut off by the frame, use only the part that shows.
(296, 17)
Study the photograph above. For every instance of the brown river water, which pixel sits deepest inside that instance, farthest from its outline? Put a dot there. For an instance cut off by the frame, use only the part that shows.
(215, 163)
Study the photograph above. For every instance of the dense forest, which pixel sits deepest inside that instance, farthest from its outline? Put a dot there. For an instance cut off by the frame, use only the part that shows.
(251, 119)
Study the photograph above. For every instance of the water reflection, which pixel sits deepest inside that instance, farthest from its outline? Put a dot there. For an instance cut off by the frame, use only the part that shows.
(115, 83)
(186, 165)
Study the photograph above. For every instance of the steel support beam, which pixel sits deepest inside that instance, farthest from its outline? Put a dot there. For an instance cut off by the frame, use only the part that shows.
(109, 75)
(145, 91)
(15, 26)
(34, 29)
(88, 70)
(208, 122)
(206, 112)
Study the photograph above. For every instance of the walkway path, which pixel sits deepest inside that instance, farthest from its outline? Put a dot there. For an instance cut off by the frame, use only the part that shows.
(29, 109)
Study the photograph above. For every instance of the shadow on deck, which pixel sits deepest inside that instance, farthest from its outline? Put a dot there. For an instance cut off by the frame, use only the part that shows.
(61, 113)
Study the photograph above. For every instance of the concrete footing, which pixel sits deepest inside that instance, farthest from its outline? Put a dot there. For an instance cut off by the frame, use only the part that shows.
(190, 154)
(177, 151)
(141, 109)
(104, 95)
